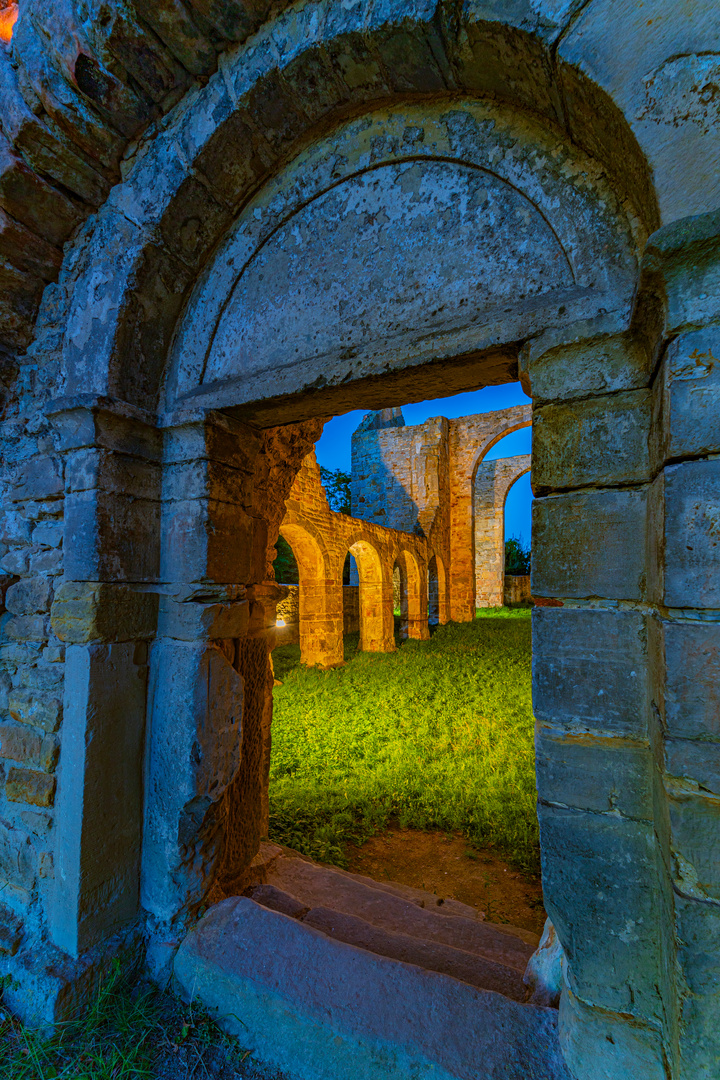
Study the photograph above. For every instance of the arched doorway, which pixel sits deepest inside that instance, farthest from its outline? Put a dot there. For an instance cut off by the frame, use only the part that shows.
(226, 348)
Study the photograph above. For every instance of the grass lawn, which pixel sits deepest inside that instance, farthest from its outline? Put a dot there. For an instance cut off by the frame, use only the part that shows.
(436, 735)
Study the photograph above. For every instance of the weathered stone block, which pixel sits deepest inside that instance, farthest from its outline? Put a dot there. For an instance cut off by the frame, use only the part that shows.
(692, 760)
(698, 934)
(28, 786)
(191, 620)
(600, 883)
(695, 832)
(36, 708)
(100, 793)
(602, 441)
(590, 544)
(601, 1045)
(86, 611)
(109, 536)
(590, 670)
(692, 535)
(30, 596)
(48, 534)
(39, 478)
(30, 628)
(581, 361)
(687, 408)
(206, 540)
(18, 743)
(598, 774)
(196, 700)
(18, 862)
(11, 931)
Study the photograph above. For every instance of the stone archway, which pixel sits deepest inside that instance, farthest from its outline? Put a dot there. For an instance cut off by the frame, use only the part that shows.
(493, 480)
(601, 381)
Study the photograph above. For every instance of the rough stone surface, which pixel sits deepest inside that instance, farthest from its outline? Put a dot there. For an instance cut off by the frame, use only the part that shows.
(351, 1013)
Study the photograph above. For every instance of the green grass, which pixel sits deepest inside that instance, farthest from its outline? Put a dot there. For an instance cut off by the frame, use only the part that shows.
(132, 1031)
(438, 735)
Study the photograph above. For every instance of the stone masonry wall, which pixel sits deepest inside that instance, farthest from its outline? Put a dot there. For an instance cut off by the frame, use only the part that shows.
(430, 478)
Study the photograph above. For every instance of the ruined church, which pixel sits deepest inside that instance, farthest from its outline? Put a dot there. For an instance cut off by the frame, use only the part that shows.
(223, 222)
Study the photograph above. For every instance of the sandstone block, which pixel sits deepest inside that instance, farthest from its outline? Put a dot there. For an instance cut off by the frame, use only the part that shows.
(602, 441)
(18, 862)
(698, 934)
(695, 837)
(584, 360)
(48, 534)
(692, 535)
(206, 540)
(598, 1043)
(27, 251)
(29, 596)
(36, 708)
(99, 798)
(32, 201)
(28, 786)
(18, 743)
(111, 537)
(597, 774)
(86, 611)
(196, 621)
(590, 670)
(608, 865)
(11, 931)
(590, 544)
(351, 1014)
(195, 752)
(692, 760)
(690, 679)
(29, 628)
(39, 478)
(688, 396)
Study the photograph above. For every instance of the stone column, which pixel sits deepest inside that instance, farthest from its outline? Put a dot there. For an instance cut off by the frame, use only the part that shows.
(201, 735)
(606, 884)
(684, 632)
(105, 611)
(321, 620)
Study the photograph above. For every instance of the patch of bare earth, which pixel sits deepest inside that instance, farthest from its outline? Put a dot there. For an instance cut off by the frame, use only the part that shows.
(447, 865)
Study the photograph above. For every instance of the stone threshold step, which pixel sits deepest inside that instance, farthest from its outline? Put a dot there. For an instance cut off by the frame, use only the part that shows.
(314, 886)
(429, 955)
(318, 1008)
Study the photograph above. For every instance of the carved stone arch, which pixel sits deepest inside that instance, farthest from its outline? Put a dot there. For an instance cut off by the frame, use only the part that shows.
(152, 238)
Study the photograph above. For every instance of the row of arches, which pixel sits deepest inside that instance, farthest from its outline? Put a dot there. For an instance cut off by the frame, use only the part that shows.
(388, 571)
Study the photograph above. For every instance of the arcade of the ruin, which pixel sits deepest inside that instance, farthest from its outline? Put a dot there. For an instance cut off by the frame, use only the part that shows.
(410, 492)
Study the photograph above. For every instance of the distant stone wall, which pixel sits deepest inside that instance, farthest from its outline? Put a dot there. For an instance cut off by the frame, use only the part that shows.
(517, 589)
(431, 479)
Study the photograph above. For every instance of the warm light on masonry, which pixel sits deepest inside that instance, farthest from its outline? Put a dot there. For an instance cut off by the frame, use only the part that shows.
(8, 18)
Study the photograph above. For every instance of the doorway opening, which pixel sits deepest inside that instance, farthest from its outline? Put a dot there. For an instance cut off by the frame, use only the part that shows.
(375, 739)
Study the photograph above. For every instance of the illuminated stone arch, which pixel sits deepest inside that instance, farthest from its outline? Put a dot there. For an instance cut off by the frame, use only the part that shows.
(601, 106)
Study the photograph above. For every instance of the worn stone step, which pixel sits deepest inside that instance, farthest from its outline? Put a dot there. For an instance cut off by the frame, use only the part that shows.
(411, 950)
(317, 886)
(321, 1009)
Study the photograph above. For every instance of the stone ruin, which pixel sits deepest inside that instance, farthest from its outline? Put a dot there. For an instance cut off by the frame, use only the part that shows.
(220, 222)
(413, 551)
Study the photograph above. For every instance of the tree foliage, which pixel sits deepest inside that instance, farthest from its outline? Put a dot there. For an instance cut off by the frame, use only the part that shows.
(337, 488)
(285, 566)
(517, 556)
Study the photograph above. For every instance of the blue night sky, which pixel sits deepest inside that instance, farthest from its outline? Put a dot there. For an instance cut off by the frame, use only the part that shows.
(333, 448)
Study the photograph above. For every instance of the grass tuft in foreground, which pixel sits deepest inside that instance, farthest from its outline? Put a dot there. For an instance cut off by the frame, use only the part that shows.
(132, 1031)
(437, 735)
